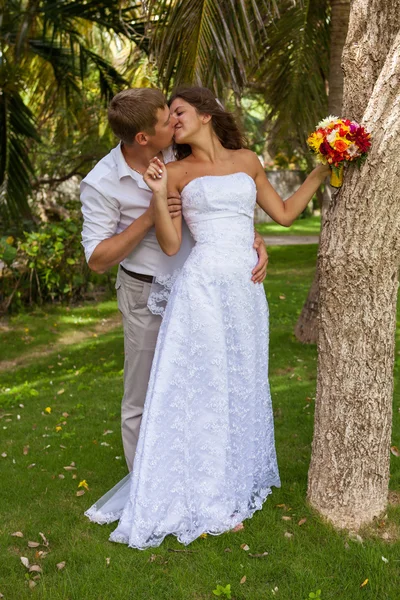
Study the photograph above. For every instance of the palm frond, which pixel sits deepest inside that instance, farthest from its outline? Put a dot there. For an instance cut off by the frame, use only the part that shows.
(206, 42)
(17, 128)
(294, 70)
(123, 18)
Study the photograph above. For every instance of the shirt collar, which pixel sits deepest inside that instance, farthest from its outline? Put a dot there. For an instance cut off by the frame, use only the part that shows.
(124, 170)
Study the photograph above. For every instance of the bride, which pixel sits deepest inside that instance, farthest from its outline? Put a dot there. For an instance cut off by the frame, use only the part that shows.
(206, 456)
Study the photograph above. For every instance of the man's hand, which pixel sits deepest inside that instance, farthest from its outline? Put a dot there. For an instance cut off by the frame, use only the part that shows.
(174, 205)
(260, 270)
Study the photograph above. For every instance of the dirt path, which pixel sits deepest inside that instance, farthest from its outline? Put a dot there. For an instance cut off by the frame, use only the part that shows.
(290, 240)
(67, 339)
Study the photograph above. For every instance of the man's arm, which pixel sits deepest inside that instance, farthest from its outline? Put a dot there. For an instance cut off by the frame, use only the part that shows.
(113, 250)
(103, 247)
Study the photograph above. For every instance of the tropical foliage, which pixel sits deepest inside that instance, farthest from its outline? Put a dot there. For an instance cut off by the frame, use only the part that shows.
(52, 52)
(59, 59)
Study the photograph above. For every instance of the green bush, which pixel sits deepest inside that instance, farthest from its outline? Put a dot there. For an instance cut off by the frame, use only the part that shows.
(46, 265)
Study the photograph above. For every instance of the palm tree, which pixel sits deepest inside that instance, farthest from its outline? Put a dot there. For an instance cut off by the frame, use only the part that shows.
(48, 48)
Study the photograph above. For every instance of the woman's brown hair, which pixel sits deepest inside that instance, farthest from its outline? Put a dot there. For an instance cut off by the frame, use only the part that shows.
(223, 122)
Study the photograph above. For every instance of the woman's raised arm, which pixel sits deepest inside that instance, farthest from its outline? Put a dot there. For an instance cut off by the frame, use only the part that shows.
(162, 182)
(285, 212)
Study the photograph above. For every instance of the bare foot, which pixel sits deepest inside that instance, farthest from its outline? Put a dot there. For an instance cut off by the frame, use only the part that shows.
(238, 527)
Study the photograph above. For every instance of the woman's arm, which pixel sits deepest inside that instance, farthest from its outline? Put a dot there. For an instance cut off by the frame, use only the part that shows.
(168, 230)
(285, 212)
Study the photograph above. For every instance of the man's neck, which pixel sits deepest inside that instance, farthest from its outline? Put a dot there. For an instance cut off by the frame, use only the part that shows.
(138, 157)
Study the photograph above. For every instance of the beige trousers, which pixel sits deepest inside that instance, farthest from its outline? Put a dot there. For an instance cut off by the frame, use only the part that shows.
(140, 337)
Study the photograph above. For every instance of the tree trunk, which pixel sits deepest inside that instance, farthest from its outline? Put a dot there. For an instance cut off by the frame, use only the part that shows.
(306, 329)
(359, 260)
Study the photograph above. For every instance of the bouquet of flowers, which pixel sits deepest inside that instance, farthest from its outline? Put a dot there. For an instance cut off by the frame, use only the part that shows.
(338, 141)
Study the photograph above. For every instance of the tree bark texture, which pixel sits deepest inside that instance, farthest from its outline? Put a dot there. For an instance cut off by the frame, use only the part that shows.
(359, 259)
(306, 329)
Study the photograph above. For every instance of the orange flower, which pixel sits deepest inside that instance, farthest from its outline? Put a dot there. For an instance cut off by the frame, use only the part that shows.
(340, 146)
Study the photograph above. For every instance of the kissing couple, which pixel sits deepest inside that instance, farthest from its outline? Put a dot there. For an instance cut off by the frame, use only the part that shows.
(197, 421)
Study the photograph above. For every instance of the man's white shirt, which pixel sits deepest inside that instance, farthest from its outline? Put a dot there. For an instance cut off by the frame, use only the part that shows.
(113, 196)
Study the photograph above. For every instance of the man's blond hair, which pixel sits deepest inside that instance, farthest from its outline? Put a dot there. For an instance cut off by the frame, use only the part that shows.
(135, 110)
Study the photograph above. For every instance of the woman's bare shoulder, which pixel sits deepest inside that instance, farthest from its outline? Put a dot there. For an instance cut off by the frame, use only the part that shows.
(248, 160)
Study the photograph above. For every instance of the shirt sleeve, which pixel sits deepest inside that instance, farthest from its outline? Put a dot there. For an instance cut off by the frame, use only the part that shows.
(101, 216)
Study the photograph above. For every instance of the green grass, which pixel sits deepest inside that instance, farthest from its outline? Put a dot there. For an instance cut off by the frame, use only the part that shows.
(34, 499)
(308, 226)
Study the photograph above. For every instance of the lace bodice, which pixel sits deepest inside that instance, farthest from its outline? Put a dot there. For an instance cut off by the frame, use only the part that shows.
(231, 197)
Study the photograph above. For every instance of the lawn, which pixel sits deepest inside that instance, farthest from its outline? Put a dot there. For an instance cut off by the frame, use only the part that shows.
(307, 226)
(60, 407)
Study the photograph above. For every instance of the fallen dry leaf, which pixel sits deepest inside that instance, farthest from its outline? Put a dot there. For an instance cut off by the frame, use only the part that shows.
(31, 466)
(61, 476)
(25, 561)
(288, 534)
(60, 392)
(80, 493)
(45, 541)
(245, 547)
(60, 565)
(243, 579)
(33, 544)
(281, 506)
(302, 521)
(26, 450)
(107, 432)
(286, 518)
(258, 555)
(18, 534)
(282, 297)
(227, 550)
(394, 450)
(4, 454)
(108, 559)
(31, 584)
(238, 527)
(65, 414)
(69, 468)
(35, 569)
(40, 554)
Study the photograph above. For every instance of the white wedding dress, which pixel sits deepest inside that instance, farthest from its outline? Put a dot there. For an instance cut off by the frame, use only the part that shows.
(205, 459)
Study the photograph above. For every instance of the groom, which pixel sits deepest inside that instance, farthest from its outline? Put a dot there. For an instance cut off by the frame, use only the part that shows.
(118, 228)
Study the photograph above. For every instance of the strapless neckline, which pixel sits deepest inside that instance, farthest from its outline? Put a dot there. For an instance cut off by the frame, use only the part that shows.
(214, 176)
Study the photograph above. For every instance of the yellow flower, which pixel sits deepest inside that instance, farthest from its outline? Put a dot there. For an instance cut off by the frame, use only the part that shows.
(48, 410)
(83, 484)
(203, 535)
(58, 428)
(10, 240)
(315, 140)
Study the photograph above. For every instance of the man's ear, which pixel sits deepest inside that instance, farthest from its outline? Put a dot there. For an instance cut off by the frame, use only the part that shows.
(141, 138)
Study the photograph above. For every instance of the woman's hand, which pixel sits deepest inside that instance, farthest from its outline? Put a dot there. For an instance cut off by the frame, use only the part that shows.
(259, 272)
(156, 176)
(323, 171)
